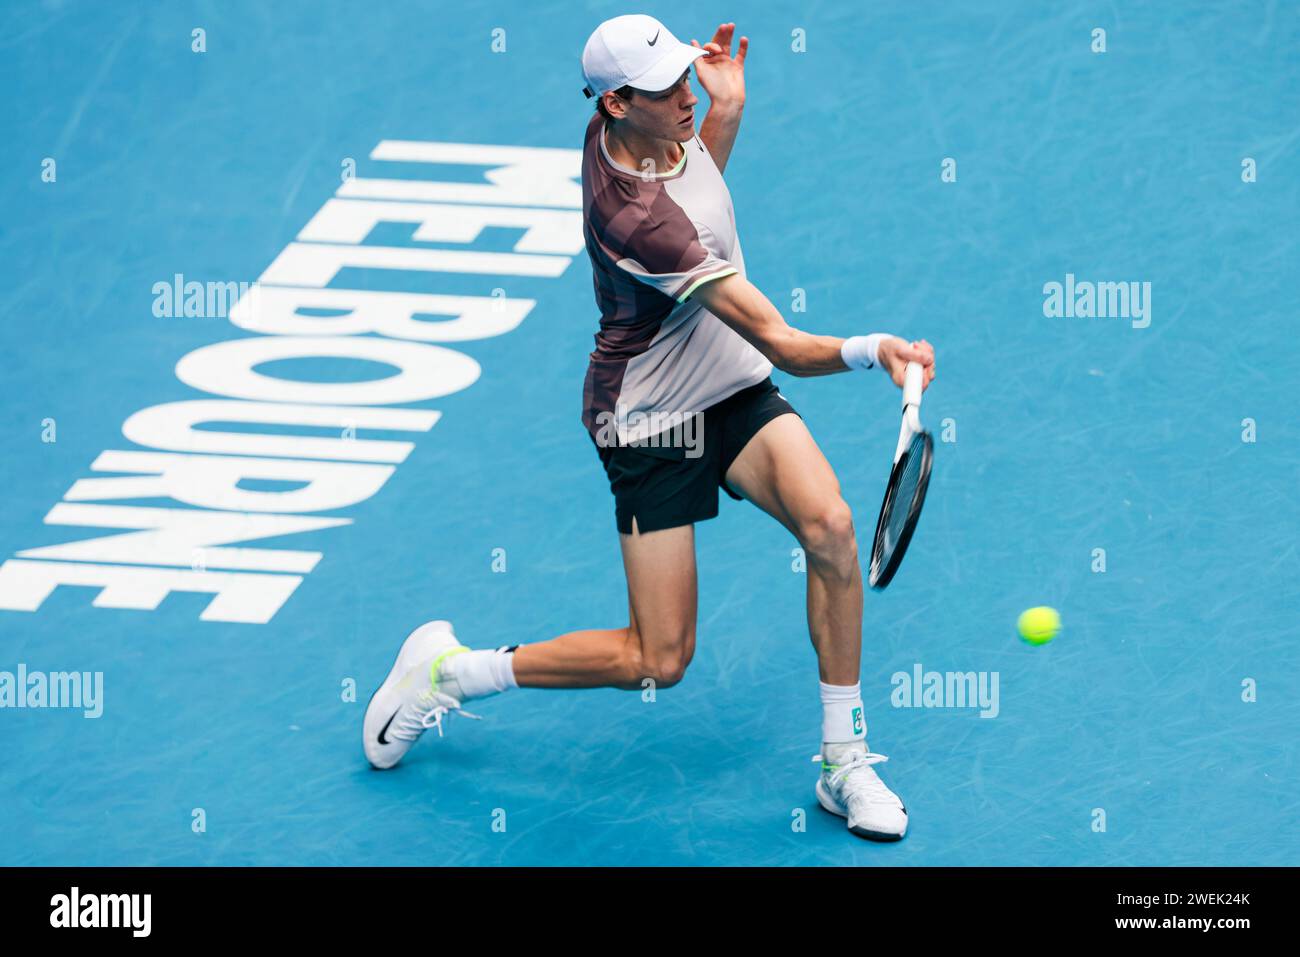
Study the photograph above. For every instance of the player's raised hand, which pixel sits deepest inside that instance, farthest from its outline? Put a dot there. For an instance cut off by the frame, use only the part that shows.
(896, 353)
(721, 74)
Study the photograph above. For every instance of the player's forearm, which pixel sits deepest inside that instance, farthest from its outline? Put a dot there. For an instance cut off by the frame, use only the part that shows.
(719, 129)
(740, 304)
(805, 354)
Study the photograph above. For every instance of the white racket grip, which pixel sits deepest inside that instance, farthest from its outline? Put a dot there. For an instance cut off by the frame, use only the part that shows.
(912, 378)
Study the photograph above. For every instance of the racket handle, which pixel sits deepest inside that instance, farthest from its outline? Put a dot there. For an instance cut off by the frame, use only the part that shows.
(912, 384)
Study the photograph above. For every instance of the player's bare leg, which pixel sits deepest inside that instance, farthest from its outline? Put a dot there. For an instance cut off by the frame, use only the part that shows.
(657, 643)
(434, 674)
(783, 472)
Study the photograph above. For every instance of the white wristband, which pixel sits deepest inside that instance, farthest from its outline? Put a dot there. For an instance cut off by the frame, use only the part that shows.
(862, 352)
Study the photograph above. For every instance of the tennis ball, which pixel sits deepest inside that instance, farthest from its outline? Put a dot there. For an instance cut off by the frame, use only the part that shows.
(1039, 625)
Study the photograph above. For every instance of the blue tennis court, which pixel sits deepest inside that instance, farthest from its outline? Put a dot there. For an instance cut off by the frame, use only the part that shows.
(929, 169)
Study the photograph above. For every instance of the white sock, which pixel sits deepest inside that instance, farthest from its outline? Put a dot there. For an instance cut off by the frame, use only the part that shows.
(843, 719)
(478, 674)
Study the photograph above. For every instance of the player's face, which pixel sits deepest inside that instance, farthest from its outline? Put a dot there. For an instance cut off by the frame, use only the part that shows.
(666, 115)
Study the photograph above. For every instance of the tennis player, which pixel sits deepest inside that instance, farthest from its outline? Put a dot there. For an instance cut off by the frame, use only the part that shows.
(679, 404)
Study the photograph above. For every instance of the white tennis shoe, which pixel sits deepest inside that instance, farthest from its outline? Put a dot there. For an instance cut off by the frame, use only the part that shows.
(411, 700)
(854, 791)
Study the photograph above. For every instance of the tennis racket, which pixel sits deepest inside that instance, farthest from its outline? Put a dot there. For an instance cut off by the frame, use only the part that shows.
(908, 481)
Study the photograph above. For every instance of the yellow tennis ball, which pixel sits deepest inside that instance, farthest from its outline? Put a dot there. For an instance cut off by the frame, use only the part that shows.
(1039, 625)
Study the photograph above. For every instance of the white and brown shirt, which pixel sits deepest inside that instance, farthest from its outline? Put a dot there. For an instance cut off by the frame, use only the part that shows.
(653, 240)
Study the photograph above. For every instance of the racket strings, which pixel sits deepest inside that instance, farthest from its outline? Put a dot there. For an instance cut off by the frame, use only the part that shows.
(901, 509)
(901, 506)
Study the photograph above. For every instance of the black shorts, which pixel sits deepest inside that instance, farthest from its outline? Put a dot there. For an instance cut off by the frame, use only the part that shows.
(676, 482)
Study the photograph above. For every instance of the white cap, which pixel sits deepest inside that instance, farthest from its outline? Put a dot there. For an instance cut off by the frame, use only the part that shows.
(637, 51)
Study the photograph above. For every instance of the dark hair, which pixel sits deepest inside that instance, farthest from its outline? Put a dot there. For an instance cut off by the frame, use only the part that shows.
(623, 92)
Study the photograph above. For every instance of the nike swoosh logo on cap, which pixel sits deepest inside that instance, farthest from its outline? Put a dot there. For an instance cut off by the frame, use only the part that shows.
(655, 40)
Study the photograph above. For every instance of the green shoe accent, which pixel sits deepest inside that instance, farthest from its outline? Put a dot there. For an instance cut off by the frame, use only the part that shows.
(437, 663)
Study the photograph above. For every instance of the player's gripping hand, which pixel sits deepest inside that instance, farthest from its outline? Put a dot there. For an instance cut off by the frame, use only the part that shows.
(894, 354)
(890, 354)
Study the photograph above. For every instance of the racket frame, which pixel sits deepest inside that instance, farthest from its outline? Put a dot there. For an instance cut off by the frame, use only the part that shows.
(879, 577)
